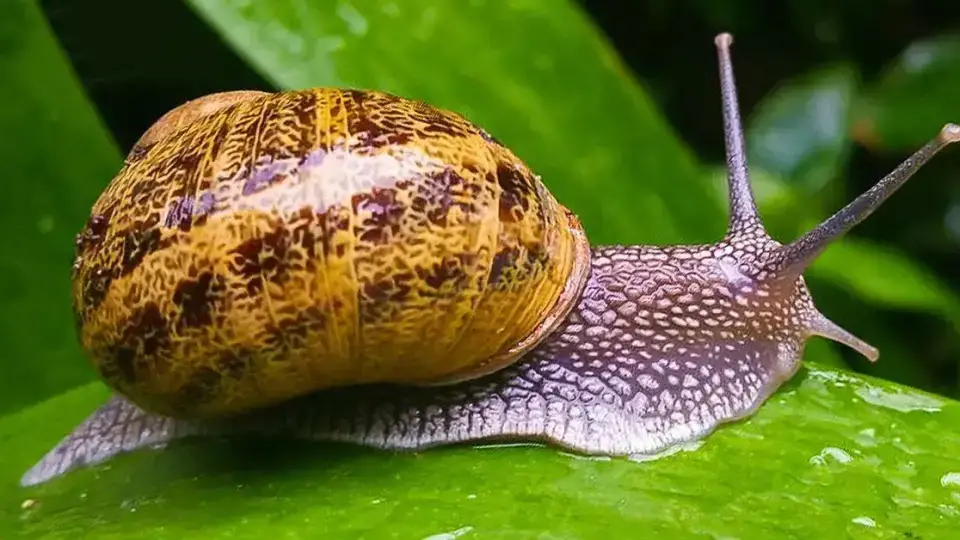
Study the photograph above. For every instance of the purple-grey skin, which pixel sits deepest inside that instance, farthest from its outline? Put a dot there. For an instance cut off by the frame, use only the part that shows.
(666, 344)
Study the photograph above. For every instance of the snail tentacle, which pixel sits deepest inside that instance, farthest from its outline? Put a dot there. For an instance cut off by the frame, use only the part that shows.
(744, 216)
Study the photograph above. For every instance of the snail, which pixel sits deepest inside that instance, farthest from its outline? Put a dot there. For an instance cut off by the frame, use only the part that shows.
(350, 265)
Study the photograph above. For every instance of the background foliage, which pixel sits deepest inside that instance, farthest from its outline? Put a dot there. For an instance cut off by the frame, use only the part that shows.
(618, 109)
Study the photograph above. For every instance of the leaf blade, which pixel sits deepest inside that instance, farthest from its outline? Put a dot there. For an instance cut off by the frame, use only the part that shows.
(483, 63)
(62, 156)
(800, 131)
(915, 96)
(837, 447)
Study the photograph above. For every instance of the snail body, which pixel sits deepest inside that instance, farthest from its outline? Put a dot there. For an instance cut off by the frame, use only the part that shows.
(504, 323)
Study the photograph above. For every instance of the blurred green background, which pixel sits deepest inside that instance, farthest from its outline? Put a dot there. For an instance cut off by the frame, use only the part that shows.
(834, 95)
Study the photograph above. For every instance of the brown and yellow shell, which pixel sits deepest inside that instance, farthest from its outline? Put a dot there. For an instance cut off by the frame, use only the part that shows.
(260, 246)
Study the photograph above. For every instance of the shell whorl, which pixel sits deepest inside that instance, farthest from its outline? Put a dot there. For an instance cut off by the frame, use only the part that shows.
(664, 345)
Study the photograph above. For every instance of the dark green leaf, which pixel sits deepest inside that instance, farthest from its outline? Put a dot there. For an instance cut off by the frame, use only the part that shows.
(800, 131)
(56, 158)
(887, 278)
(829, 456)
(914, 98)
(536, 74)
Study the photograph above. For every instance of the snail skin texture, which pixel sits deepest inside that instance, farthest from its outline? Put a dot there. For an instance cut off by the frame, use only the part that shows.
(353, 266)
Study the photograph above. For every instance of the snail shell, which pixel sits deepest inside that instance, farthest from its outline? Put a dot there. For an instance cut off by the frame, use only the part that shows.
(260, 246)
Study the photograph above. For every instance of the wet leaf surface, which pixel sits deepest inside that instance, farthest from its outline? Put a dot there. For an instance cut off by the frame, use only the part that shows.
(831, 455)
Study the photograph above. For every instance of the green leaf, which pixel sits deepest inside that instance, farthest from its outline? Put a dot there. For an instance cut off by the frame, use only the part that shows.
(800, 131)
(902, 283)
(535, 73)
(56, 159)
(830, 455)
(914, 98)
